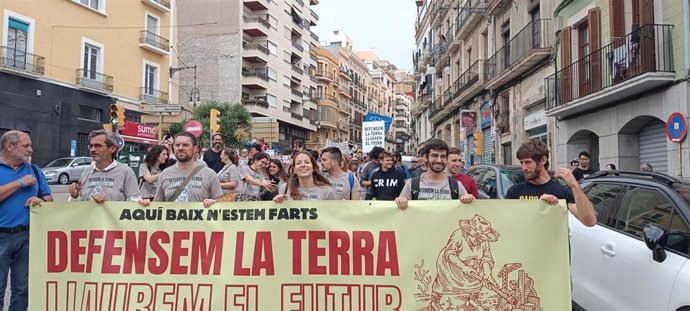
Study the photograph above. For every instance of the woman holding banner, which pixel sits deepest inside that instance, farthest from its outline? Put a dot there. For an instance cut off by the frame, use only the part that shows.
(306, 181)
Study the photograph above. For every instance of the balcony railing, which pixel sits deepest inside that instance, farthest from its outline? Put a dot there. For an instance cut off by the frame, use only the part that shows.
(323, 74)
(260, 102)
(94, 80)
(645, 50)
(162, 3)
(296, 115)
(20, 60)
(314, 36)
(297, 93)
(326, 97)
(535, 35)
(154, 40)
(252, 19)
(468, 78)
(152, 96)
(313, 14)
(298, 46)
(297, 69)
(261, 73)
(300, 2)
(261, 47)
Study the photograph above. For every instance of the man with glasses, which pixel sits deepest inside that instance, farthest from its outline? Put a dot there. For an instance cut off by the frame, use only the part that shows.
(106, 179)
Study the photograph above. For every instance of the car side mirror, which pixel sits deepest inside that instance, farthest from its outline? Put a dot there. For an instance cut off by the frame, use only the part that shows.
(655, 239)
(490, 191)
(74, 165)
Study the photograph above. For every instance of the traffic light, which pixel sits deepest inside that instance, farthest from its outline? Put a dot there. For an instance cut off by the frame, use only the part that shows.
(121, 115)
(113, 115)
(478, 143)
(215, 119)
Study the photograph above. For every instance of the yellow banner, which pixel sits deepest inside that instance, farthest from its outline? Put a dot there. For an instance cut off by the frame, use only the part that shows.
(334, 255)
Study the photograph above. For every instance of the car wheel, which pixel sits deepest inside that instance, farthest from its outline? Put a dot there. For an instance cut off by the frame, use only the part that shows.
(63, 179)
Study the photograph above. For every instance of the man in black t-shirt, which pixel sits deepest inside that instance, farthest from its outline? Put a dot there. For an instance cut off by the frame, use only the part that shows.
(583, 169)
(534, 158)
(212, 156)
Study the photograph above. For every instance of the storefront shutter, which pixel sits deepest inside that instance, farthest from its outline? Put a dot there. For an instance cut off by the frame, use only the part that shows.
(652, 139)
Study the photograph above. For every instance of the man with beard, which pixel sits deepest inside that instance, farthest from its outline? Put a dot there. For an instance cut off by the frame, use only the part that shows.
(22, 186)
(534, 158)
(106, 179)
(201, 186)
(433, 184)
(212, 156)
(345, 184)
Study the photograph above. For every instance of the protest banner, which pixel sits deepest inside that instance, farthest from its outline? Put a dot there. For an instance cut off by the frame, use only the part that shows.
(325, 255)
(373, 135)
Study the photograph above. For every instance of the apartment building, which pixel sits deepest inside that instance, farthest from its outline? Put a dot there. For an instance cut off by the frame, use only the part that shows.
(59, 73)
(622, 71)
(331, 126)
(479, 67)
(255, 52)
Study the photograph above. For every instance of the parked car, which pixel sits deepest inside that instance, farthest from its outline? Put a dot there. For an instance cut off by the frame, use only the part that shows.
(493, 181)
(64, 170)
(636, 257)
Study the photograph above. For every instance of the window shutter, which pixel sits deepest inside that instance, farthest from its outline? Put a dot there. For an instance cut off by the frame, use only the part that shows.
(594, 16)
(617, 19)
(566, 73)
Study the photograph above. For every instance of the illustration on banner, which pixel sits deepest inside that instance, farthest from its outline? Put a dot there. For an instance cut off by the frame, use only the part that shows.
(464, 275)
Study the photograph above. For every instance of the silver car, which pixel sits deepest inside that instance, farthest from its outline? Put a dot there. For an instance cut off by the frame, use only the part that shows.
(64, 170)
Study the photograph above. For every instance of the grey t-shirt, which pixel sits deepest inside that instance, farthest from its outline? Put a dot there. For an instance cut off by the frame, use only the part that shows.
(432, 190)
(148, 190)
(246, 187)
(204, 185)
(314, 193)
(230, 173)
(341, 184)
(117, 183)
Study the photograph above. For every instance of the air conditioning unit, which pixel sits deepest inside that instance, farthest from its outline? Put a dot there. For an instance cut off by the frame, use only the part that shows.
(557, 24)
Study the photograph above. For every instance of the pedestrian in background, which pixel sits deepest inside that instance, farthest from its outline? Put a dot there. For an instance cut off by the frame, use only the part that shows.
(23, 186)
(453, 169)
(278, 177)
(574, 164)
(387, 182)
(646, 167)
(156, 157)
(212, 156)
(106, 179)
(229, 175)
(346, 185)
(583, 170)
(306, 182)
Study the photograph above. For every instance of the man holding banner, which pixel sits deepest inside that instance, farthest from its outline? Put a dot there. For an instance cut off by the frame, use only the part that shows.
(22, 186)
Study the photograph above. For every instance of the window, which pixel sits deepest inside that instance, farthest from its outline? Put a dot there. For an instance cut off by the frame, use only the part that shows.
(489, 180)
(152, 24)
(272, 74)
(91, 61)
(603, 197)
(90, 113)
(641, 207)
(150, 79)
(583, 51)
(94, 4)
(505, 34)
(272, 48)
(536, 27)
(17, 43)
(287, 57)
(82, 144)
(286, 81)
(477, 175)
(271, 100)
(678, 234)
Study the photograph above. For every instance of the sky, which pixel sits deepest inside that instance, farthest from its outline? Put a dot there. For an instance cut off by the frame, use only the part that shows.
(384, 26)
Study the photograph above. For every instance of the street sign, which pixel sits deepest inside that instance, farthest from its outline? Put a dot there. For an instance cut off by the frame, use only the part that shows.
(120, 142)
(676, 127)
(159, 108)
(194, 127)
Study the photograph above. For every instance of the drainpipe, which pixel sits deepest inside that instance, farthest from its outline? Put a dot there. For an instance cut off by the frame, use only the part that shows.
(686, 36)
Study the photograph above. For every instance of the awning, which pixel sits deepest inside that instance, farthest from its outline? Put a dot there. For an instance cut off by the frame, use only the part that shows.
(139, 140)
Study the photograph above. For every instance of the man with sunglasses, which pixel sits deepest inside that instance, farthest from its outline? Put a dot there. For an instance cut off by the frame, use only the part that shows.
(106, 179)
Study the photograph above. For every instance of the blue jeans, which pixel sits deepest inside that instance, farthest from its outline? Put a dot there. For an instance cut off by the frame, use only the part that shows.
(14, 256)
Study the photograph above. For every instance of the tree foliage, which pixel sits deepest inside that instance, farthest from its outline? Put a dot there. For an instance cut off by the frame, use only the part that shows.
(235, 123)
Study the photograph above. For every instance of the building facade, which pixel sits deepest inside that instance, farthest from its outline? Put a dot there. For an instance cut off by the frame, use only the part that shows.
(59, 73)
(254, 52)
(622, 71)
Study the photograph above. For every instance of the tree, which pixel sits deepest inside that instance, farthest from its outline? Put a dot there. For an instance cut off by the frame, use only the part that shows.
(235, 123)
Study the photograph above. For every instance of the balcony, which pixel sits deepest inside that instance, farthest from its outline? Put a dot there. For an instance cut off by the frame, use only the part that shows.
(314, 36)
(440, 107)
(633, 65)
(313, 14)
(161, 5)
(297, 93)
(326, 99)
(467, 19)
(531, 45)
(17, 60)
(256, 5)
(152, 96)
(256, 102)
(344, 107)
(256, 78)
(94, 80)
(298, 46)
(153, 42)
(297, 69)
(468, 85)
(299, 21)
(345, 91)
(313, 2)
(300, 2)
(296, 116)
(322, 75)
(255, 26)
(255, 52)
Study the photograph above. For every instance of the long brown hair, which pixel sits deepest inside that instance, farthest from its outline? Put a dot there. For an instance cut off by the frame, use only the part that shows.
(293, 184)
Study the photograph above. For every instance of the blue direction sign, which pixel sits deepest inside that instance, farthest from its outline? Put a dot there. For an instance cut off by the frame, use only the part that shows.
(676, 127)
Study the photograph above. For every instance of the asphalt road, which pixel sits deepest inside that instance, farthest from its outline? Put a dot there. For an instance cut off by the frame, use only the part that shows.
(59, 192)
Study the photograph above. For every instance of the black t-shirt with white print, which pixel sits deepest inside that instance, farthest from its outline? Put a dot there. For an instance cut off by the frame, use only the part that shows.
(528, 191)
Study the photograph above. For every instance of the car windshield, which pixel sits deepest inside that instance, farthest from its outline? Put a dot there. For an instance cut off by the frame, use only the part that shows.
(59, 162)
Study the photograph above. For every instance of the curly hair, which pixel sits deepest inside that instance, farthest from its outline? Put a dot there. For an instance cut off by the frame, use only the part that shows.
(435, 144)
(293, 184)
(153, 153)
(535, 150)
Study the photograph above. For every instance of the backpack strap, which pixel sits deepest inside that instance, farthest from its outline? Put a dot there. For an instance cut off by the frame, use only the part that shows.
(454, 188)
(38, 179)
(414, 188)
(351, 179)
